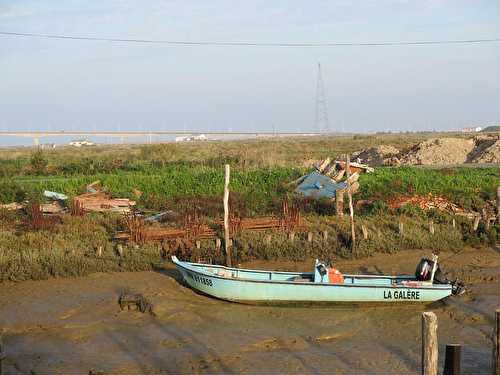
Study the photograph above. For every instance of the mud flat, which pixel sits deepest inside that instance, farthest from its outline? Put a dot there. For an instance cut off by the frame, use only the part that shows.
(74, 326)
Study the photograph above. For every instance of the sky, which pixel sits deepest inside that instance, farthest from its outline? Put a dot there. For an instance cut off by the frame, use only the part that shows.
(48, 84)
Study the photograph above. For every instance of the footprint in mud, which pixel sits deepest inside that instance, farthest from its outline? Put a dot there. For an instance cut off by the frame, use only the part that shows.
(68, 314)
(174, 344)
(214, 364)
(466, 316)
(277, 344)
(334, 336)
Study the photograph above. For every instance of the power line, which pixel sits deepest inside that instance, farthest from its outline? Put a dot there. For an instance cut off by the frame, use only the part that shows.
(250, 44)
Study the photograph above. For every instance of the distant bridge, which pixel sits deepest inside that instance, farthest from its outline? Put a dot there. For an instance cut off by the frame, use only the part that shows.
(36, 135)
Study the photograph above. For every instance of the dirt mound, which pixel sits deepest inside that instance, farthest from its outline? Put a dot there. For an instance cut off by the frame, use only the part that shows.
(376, 156)
(489, 152)
(440, 151)
(437, 151)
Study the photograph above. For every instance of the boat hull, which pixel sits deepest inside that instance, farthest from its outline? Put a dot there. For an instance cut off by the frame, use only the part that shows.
(282, 291)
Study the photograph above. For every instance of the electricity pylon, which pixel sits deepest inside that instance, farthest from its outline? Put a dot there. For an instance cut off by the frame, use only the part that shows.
(321, 123)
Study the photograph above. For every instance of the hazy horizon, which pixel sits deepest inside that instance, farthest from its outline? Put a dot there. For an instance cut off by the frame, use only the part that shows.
(91, 85)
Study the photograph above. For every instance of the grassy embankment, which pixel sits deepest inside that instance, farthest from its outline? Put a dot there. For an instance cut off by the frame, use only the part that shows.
(171, 182)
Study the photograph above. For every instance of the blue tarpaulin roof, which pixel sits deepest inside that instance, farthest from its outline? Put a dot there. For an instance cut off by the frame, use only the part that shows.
(316, 185)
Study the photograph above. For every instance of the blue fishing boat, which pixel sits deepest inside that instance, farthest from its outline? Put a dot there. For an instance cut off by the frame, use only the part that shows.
(325, 284)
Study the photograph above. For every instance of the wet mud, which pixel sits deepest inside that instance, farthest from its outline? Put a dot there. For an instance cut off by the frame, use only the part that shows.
(74, 326)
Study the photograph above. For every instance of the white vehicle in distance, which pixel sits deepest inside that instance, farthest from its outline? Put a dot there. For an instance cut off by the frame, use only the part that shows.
(81, 143)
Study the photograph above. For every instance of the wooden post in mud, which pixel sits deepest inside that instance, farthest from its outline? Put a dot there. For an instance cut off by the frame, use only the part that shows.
(429, 344)
(452, 359)
(498, 204)
(2, 355)
(431, 227)
(351, 209)
(496, 345)
(226, 215)
(309, 237)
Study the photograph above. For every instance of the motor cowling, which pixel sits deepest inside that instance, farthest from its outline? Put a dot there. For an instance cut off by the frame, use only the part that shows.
(424, 272)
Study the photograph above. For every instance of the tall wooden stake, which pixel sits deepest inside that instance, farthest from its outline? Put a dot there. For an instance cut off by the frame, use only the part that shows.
(429, 344)
(226, 215)
(2, 355)
(351, 209)
(496, 344)
(498, 204)
(339, 203)
(452, 359)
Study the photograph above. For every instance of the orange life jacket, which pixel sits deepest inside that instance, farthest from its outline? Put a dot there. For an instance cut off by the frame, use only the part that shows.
(335, 276)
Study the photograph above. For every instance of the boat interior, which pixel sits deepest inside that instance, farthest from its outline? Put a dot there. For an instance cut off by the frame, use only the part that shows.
(302, 277)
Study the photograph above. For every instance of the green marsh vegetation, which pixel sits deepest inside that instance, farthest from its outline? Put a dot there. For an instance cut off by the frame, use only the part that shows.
(183, 176)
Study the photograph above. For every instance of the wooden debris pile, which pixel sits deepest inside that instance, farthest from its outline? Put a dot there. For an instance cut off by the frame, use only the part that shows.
(54, 207)
(329, 178)
(194, 227)
(429, 202)
(100, 202)
(424, 202)
(336, 169)
(14, 206)
(37, 221)
(97, 200)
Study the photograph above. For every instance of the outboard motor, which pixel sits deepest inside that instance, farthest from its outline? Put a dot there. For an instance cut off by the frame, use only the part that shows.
(322, 270)
(424, 273)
